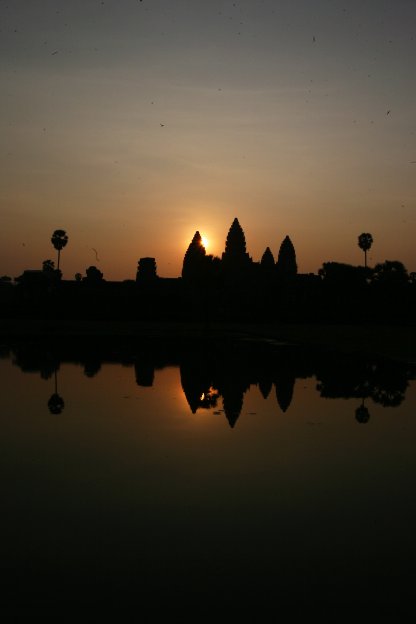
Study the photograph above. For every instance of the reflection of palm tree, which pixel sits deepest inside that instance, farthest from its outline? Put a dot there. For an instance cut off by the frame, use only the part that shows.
(56, 403)
(362, 415)
(59, 240)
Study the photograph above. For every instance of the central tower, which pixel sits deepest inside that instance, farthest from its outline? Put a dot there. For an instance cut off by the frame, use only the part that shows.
(235, 256)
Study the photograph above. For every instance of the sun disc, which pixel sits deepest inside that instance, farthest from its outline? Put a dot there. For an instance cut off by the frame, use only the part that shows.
(204, 241)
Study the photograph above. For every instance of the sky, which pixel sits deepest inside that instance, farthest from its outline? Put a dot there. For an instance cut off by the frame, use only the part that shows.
(131, 124)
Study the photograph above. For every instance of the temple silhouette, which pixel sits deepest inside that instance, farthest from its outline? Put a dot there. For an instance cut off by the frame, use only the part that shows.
(232, 287)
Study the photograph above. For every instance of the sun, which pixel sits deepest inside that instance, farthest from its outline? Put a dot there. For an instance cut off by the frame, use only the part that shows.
(204, 241)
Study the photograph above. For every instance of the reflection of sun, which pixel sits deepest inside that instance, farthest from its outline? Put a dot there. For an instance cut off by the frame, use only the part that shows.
(204, 241)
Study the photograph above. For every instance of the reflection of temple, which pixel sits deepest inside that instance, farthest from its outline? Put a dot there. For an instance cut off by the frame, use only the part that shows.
(225, 368)
(233, 395)
(145, 372)
(197, 384)
(265, 386)
(284, 390)
(231, 373)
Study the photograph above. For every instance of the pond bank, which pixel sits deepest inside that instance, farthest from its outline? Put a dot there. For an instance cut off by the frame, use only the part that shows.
(397, 342)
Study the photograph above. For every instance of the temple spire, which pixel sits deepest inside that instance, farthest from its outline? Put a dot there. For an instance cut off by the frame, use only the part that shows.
(235, 256)
(286, 262)
(193, 261)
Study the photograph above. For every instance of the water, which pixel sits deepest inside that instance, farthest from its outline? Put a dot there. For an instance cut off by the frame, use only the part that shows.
(218, 474)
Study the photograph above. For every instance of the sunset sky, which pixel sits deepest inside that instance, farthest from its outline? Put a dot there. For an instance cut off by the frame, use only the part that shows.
(130, 124)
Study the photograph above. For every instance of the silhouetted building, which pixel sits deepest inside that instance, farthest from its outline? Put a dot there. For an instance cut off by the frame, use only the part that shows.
(93, 275)
(235, 257)
(267, 260)
(146, 270)
(286, 262)
(194, 260)
(34, 278)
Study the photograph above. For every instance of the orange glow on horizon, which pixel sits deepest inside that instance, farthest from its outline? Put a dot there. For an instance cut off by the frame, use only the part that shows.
(205, 241)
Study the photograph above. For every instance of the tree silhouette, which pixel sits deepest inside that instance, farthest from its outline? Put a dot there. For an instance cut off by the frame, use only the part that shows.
(48, 265)
(390, 273)
(286, 263)
(365, 240)
(340, 275)
(94, 275)
(59, 240)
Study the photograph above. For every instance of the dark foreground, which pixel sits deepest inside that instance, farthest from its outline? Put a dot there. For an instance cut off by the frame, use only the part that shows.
(392, 341)
(141, 511)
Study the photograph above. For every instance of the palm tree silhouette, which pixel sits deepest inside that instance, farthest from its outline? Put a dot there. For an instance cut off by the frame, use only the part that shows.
(365, 240)
(59, 240)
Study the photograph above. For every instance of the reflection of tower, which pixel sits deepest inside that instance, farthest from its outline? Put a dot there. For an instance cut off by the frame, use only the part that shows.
(232, 403)
(232, 380)
(56, 403)
(265, 385)
(196, 385)
(145, 373)
(284, 390)
(193, 383)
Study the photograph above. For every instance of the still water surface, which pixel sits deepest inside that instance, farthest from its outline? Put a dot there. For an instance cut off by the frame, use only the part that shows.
(172, 480)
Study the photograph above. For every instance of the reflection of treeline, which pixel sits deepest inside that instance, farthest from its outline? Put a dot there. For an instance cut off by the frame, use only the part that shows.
(225, 370)
(232, 287)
